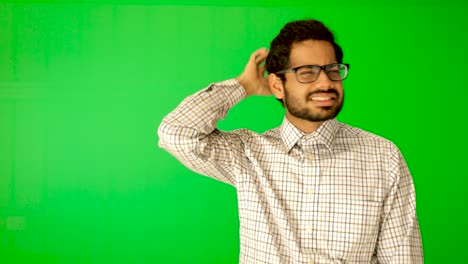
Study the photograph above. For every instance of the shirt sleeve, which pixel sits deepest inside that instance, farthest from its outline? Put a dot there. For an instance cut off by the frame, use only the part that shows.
(189, 132)
(400, 238)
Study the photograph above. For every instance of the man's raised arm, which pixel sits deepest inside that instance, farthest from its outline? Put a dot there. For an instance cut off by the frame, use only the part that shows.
(189, 132)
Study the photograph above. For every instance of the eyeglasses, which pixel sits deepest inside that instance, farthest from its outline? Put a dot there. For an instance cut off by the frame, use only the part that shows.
(310, 73)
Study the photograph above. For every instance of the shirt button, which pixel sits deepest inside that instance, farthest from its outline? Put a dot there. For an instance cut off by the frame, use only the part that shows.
(310, 156)
(309, 229)
(310, 191)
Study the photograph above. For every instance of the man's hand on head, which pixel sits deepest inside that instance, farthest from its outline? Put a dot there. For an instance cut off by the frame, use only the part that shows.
(253, 78)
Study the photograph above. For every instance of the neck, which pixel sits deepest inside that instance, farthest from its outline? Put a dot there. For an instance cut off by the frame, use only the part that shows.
(305, 126)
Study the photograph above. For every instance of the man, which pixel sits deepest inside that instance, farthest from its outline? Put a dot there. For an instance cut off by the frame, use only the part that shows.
(313, 190)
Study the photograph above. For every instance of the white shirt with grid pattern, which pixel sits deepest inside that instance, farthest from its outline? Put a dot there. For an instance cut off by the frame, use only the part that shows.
(337, 195)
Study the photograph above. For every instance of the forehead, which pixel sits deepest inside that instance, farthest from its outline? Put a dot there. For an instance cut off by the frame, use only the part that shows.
(311, 51)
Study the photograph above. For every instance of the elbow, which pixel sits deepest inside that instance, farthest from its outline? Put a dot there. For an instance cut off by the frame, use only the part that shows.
(176, 138)
(167, 136)
(162, 134)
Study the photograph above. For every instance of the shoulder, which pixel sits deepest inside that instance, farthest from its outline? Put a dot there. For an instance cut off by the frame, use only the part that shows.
(249, 136)
(371, 149)
(254, 142)
(353, 136)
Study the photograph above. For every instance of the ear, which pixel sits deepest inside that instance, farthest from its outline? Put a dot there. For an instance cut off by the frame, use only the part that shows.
(276, 86)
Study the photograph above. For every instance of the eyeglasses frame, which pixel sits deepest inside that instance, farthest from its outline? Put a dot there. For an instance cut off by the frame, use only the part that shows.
(324, 68)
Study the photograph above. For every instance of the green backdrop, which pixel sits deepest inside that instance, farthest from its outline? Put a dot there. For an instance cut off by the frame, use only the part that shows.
(84, 85)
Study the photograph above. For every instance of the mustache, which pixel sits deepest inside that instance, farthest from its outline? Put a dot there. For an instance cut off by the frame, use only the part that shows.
(332, 90)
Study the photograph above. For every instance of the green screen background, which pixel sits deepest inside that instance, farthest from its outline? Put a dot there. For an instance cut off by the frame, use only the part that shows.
(84, 86)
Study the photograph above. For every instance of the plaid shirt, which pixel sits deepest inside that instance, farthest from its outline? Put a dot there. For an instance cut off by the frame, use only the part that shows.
(337, 195)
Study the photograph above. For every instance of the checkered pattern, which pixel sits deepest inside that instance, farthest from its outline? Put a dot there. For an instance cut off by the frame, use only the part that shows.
(337, 195)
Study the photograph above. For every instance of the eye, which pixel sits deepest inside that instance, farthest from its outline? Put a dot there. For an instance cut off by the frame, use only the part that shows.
(334, 72)
(334, 68)
(306, 71)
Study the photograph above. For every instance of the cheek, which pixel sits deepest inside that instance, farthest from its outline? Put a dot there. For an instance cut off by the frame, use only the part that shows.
(339, 88)
(298, 97)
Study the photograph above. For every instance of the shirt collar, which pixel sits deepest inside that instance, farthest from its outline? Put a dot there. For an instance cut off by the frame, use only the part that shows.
(325, 134)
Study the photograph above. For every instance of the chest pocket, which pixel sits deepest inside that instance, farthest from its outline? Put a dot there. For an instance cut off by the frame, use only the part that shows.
(348, 228)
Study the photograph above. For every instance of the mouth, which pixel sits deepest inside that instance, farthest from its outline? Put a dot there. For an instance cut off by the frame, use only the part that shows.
(323, 99)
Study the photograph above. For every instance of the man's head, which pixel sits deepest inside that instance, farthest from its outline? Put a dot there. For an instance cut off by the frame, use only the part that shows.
(299, 43)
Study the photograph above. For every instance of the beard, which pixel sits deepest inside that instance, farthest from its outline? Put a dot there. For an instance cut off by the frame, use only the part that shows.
(294, 107)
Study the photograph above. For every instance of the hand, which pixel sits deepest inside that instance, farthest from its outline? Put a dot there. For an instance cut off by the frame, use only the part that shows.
(253, 78)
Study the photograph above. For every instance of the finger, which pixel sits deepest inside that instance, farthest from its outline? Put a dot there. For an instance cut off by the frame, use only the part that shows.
(259, 55)
(254, 55)
(262, 70)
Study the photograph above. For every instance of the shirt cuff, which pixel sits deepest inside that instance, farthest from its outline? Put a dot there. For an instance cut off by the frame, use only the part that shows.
(234, 92)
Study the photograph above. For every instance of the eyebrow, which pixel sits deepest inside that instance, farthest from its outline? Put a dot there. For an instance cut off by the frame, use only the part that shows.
(312, 65)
